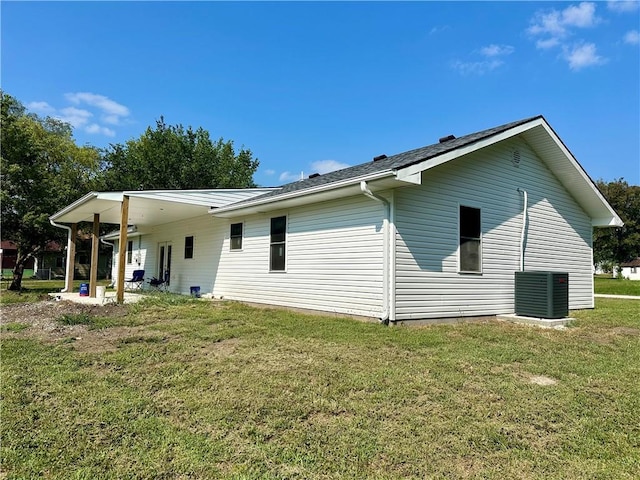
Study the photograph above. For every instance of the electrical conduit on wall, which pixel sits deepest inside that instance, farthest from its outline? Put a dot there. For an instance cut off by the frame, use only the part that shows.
(524, 226)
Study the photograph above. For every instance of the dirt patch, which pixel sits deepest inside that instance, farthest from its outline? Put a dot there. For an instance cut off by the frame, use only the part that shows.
(41, 321)
(542, 380)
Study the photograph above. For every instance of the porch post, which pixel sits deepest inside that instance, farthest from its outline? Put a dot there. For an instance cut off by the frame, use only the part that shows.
(122, 248)
(71, 258)
(95, 247)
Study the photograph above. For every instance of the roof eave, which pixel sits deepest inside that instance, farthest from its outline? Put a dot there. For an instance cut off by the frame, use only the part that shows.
(270, 203)
(116, 196)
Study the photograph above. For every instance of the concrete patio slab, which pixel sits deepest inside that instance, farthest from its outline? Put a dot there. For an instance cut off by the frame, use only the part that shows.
(109, 297)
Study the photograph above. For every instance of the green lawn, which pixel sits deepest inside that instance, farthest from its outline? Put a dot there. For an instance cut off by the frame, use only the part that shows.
(616, 286)
(193, 389)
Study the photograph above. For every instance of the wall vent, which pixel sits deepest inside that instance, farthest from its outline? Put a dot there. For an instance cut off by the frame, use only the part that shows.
(515, 158)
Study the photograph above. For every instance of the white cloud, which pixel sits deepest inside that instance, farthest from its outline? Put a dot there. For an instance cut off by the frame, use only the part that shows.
(584, 55)
(287, 177)
(438, 29)
(108, 106)
(326, 166)
(547, 43)
(553, 28)
(269, 172)
(491, 62)
(558, 24)
(582, 16)
(42, 108)
(476, 68)
(632, 37)
(623, 6)
(77, 117)
(496, 50)
(95, 128)
(93, 105)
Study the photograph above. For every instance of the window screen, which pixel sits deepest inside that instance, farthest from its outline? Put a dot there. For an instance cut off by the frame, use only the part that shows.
(236, 236)
(278, 237)
(470, 251)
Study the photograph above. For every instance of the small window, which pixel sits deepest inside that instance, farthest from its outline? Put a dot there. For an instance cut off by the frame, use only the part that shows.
(278, 237)
(470, 252)
(188, 247)
(130, 251)
(236, 236)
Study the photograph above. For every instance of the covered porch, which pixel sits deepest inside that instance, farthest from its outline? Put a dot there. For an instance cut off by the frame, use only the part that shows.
(134, 211)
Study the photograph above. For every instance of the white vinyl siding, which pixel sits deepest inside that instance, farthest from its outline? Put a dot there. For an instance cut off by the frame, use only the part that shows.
(428, 284)
(184, 272)
(333, 259)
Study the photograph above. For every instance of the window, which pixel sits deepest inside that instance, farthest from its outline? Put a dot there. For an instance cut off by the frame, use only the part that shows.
(278, 236)
(130, 251)
(188, 247)
(470, 252)
(236, 236)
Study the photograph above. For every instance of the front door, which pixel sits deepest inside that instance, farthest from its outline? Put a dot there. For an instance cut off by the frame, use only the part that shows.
(164, 262)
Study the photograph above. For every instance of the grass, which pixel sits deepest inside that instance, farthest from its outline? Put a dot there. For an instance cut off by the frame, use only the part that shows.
(205, 390)
(35, 290)
(616, 286)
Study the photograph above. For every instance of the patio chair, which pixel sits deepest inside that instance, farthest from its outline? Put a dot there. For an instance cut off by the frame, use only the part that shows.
(160, 283)
(135, 283)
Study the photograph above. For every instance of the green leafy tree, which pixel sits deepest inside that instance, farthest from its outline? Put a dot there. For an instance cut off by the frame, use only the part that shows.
(172, 157)
(42, 171)
(613, 246)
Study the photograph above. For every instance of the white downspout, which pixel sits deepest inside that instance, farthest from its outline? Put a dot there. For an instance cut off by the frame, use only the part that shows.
(68, 285)
(385, 264)
(524, 226)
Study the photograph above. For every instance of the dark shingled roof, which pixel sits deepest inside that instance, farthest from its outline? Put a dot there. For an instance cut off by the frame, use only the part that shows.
(394, 162)
(633, 263)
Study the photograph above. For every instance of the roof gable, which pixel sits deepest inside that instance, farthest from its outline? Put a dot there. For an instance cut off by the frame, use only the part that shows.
(408, 166)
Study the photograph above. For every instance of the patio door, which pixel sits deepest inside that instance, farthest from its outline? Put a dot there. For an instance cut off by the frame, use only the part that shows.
(164, 261)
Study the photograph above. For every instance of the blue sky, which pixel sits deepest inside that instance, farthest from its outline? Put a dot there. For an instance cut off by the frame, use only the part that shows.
(310, 87)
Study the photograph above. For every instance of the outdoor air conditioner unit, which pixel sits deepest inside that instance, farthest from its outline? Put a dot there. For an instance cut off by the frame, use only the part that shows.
(542, 294)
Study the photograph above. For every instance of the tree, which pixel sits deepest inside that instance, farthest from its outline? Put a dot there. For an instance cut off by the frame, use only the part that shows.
(614, 246)
(170, 157)
(42, 171)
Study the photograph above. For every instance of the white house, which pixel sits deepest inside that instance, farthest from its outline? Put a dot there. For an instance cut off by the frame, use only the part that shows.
(631, 270)
(435, 232)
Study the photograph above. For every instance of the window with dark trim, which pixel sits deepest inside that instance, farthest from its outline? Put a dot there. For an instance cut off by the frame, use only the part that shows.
(188, 247)
(470, 252)
(236, 236)
(278, 238)
(130, 251)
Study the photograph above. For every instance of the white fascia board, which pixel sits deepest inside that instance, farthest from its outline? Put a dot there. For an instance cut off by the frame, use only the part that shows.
(418, 168)
(81, 201)
(613, 221)
(302, 193)
(109, 196)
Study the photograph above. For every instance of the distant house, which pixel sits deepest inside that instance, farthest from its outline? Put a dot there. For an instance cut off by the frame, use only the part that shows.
(50, 263)
(9, 257)
(631, 270)
(435, 232)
